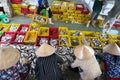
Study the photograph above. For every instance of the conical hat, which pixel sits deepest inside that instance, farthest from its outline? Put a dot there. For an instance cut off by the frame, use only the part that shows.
(112, 49)
(83, 52)
(45, 50)
(8, 57)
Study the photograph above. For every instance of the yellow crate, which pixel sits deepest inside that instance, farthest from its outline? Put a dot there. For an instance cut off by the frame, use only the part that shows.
(74, 15)
(57, 3)
(41, 20)
(89, 34)
(75, 33)
(80, 21)
(104, 42)
(43, 31)
(72, 8)
(64, 8)
(15, 25)
(102, 35)
(115, 37)
(78, 12)
(34, 27)
(18, 9)
(24, 6)
(4, 27)
(30, 37)
(18, 12)
(75, 41)
(85, 21)
(81, 15)
(64, 19)
(30, 15)
(63, 30)
(96, 46)
(16, 5)
(100, 22)
(53, 9)
(56, 17)
(62, 42)
(70, 12)
(85, 40)
(112, 41)
(71, 4)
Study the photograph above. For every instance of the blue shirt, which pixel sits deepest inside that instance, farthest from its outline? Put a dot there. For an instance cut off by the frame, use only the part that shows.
(113, 65)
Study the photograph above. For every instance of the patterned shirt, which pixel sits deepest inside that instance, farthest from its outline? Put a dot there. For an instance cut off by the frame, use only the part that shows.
(113, 65)
(12, 73)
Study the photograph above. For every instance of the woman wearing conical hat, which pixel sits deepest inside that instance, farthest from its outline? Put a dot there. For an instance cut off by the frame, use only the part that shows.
(47, 63)
(111, 55)
(86, 60)
(10, 66)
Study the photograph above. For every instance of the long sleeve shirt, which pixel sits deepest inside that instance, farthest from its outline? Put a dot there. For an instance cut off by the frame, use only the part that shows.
(12, 73)
(47, 68)
(113, 65)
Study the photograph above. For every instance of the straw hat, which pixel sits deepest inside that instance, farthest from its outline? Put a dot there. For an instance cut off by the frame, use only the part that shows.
(8, 57)
(86, 60)
(112, 49)
(83, 52)
(45, 50)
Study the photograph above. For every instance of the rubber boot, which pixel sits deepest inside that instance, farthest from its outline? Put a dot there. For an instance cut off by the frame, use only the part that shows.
(50, 21)
(88, 24)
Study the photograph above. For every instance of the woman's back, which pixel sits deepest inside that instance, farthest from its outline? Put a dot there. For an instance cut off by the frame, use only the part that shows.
(47, 68)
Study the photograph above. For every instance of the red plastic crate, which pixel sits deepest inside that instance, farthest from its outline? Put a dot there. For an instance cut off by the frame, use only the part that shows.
(116, 24)
(24, 10)
(80, 7)
(16, 1)
(53, 32)
(14, 37)
(38, 39)
(86, 11)
(12, 33)
(23, 25)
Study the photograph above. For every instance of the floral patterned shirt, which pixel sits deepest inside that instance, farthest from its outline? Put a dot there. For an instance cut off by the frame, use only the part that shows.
(113, 65)
(12, 73)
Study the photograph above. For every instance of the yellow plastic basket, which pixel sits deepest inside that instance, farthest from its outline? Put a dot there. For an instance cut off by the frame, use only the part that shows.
(4, 27)
(115, 37)
(102, 35)
(94, 45)
(112, 41)
(40, 19)
(15, 25)
(89, 34)
(30, 37)
(75, 41)
(16, 5)
(75, 33)
(34, 27)
(43, 31)
(63, 31)
(104, 42)
(85, 40)
(64, 40)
